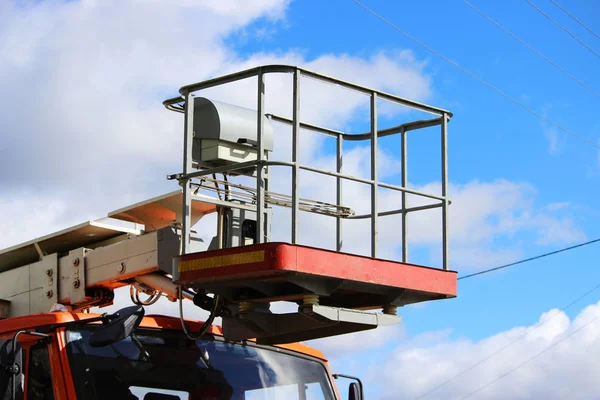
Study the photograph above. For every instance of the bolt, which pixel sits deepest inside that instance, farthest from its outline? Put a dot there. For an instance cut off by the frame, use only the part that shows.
(49, 293)
(13, 369)
(122, 268)
(76, 261)
(76, 283)
(49, 272)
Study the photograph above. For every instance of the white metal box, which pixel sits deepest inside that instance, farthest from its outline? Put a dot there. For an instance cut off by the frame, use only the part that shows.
(225, 134)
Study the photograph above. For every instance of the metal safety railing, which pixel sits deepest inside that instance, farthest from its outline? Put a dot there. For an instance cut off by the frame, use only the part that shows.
(261, 195)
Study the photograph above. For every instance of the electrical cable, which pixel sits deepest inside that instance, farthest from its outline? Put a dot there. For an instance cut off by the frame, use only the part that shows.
(207, 324)
(532, 48)
(575, 18)
(472, 75)
(563, 28)
(227, 189)
(149, 301)
(486, 271)
(218, 190)
(529, 359)
(134, 294)
(537, 326)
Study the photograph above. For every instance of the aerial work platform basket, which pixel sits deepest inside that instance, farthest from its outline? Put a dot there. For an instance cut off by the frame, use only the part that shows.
(229, 153)
(336, 292)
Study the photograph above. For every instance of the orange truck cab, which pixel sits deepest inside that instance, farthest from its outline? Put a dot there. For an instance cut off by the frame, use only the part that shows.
(158, 362)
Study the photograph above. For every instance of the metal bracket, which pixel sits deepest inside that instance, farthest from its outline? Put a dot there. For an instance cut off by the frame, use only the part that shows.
(311, 322)
(49, 269)
(172, 177)
(76, 259)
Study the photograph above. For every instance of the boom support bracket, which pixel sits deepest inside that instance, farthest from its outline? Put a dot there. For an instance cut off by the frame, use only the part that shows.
(310, 322)
(75, 264)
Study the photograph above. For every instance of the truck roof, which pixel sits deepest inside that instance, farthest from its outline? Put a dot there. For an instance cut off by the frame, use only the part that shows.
(150, 321)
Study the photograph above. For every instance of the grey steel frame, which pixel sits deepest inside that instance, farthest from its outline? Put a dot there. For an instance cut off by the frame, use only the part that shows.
(262, 163)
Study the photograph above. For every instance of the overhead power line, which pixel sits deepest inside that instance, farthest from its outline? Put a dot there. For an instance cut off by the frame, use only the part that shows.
(487, 271)
(553, 345)
(515, 101)
(536, 327)
(532, 48)
(563, 28)
(575, 18)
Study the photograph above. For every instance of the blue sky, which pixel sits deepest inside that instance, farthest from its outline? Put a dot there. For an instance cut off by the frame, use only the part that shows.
(99, 72)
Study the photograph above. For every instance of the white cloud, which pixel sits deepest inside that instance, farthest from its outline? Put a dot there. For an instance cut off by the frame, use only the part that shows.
(565, 371)
(50, 214)
(558, 206)
(242, 11)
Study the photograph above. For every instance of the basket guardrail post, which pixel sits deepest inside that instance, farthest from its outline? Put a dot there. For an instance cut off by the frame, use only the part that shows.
(260, 181)
(295, 155)
(188, 142)
(445, 191)
(338, 182)
(404, 160)
(375, 184)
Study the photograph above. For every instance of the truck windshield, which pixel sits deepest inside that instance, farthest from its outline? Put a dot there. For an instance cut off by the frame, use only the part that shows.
(180, 368)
